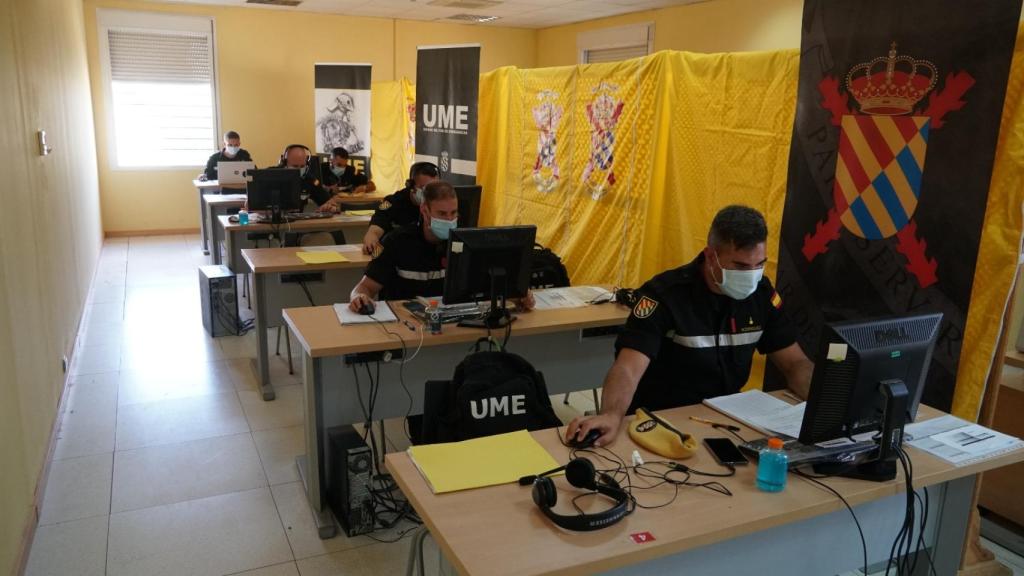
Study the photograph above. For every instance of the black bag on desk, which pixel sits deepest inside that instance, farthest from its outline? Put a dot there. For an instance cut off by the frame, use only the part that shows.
(547, 270)
(492, 392)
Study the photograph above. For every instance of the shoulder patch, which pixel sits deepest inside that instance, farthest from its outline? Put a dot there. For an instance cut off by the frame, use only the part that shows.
(776, 300)
(384, 205)
(645, 307)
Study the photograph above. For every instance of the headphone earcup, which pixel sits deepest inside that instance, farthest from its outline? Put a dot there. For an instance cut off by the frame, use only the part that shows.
(580, 473)
(544, 493)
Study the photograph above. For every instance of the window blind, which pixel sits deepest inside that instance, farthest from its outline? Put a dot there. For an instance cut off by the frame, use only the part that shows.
(598, 55)
(157, 56)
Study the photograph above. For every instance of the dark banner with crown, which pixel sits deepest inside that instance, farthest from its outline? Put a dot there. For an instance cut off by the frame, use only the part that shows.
(893, 144)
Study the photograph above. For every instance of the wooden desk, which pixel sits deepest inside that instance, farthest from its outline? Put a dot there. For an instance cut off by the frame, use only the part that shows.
(802, 530)
(235, 236)
(272, 292)
(573, 348)
(215, 205)
(204, 187)
(368, 200)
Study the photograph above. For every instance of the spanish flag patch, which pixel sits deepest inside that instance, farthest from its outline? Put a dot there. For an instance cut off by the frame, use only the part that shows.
(776, 300)
(645, 307)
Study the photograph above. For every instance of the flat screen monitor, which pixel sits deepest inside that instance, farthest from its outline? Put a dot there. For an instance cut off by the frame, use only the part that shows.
(489, 263)
(275, 189)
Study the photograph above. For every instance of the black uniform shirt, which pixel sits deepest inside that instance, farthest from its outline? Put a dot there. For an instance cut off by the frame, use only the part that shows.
(701, 344)
(348, 179)
(408, 265)
(313, 190)
(396, 210)
(219, 156)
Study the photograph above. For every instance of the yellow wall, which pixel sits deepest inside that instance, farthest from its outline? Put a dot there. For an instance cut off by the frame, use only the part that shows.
(265, 65)
(49, 237)
(716, 26)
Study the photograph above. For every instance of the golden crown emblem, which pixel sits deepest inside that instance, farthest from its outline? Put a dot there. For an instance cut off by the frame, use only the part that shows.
(891, 85)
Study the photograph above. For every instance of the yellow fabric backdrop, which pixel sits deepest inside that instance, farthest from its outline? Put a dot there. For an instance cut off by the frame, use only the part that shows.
(389, 127)
(696, 132)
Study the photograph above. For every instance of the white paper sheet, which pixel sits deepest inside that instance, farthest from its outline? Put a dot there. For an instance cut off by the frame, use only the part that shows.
(762, 411)
(382, 313)
(569, 297)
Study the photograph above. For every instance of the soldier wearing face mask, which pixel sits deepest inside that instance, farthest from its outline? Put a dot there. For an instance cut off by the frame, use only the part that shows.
(693, 331)
(297, 156)
(231, 152)
(401, 208)
(342, 176)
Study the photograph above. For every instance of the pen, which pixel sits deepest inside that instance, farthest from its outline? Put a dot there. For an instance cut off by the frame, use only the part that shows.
(715, 424)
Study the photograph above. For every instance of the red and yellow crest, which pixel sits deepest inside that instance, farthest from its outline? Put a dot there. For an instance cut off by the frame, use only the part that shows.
(645, 307)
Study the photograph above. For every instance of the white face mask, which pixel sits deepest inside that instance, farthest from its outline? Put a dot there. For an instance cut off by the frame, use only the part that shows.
(738, 284)
(418, 195)
(232, 150)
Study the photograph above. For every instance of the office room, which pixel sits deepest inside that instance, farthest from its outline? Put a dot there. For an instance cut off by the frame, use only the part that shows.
(339, 287)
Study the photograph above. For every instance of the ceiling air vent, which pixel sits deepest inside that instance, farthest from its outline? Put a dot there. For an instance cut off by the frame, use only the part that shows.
(478, 18)
(465, 4)
(291, 3)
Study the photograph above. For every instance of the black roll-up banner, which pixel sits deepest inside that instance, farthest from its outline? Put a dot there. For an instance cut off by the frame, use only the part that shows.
(447, 83)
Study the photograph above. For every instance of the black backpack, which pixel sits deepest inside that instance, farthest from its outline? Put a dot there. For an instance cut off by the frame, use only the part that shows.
(492, 392)
(547, 270)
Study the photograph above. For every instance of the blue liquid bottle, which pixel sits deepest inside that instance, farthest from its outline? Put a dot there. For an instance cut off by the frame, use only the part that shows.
(772, 464)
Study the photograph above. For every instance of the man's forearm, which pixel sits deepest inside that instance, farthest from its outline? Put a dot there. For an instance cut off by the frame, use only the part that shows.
(374, 232)
(798, 378)
(619, 387)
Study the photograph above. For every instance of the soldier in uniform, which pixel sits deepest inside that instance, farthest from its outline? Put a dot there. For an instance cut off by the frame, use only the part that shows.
(401, 208)
(693, 330)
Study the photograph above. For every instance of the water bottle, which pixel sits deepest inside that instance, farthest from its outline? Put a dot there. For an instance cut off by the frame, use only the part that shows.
(434, 317)
(772, 464)
(243, 217)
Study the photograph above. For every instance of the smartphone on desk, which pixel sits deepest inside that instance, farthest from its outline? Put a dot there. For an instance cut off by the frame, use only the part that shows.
(725, 452)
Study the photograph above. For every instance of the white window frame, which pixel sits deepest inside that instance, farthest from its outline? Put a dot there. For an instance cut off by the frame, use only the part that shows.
(145, 22)
(617, 37)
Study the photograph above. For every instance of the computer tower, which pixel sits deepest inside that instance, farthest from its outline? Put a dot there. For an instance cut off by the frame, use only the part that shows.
(349, 468)
(219, 300)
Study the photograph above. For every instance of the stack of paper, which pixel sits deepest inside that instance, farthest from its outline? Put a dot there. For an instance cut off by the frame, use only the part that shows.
(569, 297)
(762, 412)
(480, 462)
(958, 441)
(382, 313)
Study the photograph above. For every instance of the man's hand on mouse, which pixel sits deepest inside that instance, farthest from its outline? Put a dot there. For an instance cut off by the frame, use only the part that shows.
(607, 424)
(358, 301)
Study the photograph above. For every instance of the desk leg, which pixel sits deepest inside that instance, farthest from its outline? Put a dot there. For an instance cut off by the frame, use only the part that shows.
(311, 465)
(259, 292)
(951, 525)
(203, 232)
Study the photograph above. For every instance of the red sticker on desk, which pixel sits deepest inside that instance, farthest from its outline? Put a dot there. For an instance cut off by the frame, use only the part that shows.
(642, 537)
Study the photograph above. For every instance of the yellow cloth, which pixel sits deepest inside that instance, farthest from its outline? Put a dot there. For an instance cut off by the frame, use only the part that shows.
(325, 257)
(697, 132)
(359, 212)
(480, 462)
(388, 134)
(659, 436)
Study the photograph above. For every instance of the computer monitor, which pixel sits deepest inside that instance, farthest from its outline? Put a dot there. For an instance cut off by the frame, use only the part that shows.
(469, 205)
(489, 263)
(868, 376)
(275, 189)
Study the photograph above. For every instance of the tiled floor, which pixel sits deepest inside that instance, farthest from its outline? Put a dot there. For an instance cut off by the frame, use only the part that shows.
(168, 462)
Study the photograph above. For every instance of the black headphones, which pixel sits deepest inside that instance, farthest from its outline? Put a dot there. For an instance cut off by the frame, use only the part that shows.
(580, 473)
(284, 155)
(418, 168)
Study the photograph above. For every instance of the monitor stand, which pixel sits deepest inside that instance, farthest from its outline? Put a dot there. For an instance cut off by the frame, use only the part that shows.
(882, 465)
(498, 316)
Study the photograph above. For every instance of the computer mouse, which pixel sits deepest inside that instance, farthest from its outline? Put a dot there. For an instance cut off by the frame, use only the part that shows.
(587, 440)
(367, 309)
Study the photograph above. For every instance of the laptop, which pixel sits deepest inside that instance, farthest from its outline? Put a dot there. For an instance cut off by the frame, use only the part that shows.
(233, 172)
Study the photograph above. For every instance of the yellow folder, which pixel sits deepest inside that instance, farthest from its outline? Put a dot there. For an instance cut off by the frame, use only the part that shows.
(359, 212)
(480, 462)
(325, 257)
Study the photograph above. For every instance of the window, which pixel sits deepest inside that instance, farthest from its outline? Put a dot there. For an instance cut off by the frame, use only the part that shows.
(160, 89)
(614, 44)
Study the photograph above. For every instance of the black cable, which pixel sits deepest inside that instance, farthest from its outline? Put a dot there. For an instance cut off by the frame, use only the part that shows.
(860, 531)
(309, 295)
(401, 375)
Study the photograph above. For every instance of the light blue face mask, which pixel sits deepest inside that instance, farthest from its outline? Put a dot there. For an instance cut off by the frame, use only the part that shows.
(738, 284)
(338, 170)
(441, 228)
(418, 195)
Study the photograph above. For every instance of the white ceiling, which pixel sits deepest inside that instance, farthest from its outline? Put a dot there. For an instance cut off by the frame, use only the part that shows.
(514, 13)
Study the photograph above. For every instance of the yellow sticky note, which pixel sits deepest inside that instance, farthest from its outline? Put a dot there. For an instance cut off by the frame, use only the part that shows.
(837, 351)
(321, 257)
(480, 462)
(359, 212)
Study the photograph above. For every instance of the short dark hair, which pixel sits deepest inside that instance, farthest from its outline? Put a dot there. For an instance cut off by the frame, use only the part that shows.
(438, 190)
(424, 168)
(231, 134)
(339, 152)
(741, 226)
